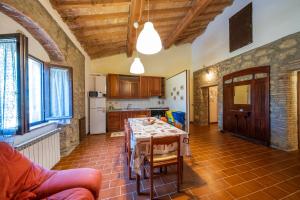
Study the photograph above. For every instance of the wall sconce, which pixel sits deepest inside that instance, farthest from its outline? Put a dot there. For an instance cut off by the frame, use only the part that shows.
(209, 75)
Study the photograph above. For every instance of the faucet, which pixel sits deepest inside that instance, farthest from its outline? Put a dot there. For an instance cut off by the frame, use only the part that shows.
(128, 106)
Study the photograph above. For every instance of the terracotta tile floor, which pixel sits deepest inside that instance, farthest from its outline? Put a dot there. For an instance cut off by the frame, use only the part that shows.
(221, 167)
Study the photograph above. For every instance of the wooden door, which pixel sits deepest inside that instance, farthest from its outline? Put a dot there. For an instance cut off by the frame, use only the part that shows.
(250, 118)
(261, 110)
(113, 85)
(144, 87)
(113, 121)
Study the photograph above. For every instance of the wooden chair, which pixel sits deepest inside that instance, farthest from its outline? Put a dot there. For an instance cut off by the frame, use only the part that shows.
(141, 116)
(126, 129)
(178, 125)
(164, 160)
(164, 119)
(128, 147)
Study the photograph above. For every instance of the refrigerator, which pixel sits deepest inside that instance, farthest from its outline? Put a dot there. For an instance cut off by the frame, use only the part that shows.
(97, 115)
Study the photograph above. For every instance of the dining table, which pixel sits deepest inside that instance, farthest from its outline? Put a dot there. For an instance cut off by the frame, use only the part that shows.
(142, 129)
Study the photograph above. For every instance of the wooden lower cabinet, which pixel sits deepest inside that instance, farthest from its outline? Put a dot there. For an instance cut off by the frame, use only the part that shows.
(115, 120)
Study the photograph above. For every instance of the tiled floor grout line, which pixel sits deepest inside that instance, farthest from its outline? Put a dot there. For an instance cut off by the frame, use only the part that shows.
(215, 158)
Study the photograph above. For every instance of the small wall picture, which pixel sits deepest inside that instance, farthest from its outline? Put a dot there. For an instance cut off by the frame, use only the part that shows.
(174, 89)
(177, 93)
(171, 94)
(181, 98)
(182, 87)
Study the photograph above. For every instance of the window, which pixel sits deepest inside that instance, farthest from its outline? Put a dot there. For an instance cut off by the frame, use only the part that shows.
(30, 93)
(59, 88)
(9, 87)
(35, 91)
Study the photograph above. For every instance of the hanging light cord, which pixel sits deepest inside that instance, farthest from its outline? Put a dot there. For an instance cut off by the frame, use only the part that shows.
(148, 11)
(137, 52)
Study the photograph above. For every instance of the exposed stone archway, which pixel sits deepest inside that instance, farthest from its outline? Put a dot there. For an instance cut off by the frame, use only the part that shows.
(36, 31)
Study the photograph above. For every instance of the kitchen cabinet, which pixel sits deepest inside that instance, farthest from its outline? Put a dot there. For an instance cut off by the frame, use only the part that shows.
(115, 120)
(155, 86)
(113, 86)
(134, 87)
(144, 87)
(129, 87)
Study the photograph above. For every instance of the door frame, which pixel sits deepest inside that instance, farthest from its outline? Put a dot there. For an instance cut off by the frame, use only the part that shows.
(298, 107)
(208, 104)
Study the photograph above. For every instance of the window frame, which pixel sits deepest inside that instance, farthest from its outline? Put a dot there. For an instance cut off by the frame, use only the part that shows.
(22, 64)
(47, 67)
(43, 92)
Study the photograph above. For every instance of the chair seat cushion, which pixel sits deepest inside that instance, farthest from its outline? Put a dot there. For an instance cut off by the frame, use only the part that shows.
(171, 156)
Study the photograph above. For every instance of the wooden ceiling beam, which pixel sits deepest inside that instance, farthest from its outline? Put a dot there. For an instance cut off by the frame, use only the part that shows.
(107, 53)
(135, 15)
(196, 9)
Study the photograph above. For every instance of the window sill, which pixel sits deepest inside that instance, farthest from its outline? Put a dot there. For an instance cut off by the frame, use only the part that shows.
(36, 134)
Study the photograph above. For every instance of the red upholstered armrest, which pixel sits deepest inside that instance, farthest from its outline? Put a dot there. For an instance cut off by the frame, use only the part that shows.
(73, 194)
(67, 179)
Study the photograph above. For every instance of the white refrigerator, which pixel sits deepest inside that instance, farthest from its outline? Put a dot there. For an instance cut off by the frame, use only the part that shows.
(97, 115)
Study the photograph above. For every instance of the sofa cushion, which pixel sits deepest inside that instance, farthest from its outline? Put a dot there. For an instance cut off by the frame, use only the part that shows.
(73, 178)
(72, 194)
(18, 175)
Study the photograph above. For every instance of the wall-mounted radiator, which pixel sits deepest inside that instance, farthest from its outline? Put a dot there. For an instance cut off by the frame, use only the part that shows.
(44, 150)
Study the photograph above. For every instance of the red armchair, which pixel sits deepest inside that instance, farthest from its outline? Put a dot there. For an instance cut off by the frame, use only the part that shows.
(20, 179)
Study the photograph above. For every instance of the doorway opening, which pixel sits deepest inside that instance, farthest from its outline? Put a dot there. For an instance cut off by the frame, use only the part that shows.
(213, 105)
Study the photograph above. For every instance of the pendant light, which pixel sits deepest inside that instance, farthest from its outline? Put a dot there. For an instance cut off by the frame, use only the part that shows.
(149, 41)
(137, 66)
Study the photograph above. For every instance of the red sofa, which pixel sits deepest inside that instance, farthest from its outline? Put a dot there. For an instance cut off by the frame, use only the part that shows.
(20, 179)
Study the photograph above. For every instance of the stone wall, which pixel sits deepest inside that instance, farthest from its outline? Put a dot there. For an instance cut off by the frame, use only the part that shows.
(283, 57)
(35, 16)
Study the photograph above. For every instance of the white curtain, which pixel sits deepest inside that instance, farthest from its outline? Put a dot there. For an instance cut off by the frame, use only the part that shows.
(9, 114)
(59, 93)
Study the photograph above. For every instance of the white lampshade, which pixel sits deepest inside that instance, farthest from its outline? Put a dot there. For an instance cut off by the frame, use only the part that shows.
(148, 41)
(137, 66)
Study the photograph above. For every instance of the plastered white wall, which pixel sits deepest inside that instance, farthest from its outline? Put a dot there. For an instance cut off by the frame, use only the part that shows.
(8, 25)
(272, 20)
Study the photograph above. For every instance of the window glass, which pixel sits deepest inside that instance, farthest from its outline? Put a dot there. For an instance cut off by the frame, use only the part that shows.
(9, 87)
(60, 93)
(35, 84)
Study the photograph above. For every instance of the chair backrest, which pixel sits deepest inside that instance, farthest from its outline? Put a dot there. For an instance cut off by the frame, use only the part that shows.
(127, 133)
(164, 119)
(166, 140)
(140, 116)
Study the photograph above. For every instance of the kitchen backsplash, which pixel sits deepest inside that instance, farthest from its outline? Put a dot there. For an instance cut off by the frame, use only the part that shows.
(137, 103)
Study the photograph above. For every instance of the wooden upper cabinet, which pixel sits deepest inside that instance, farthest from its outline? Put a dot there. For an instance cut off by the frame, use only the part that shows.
(125, 88)
(113, 86)
(155, 86)
(134, 87)
(129, 86)
(144, 87)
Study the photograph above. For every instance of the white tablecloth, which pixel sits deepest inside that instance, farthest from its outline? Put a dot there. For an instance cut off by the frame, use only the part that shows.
(140, 140)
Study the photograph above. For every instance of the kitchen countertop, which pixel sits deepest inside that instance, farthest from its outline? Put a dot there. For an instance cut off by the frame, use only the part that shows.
(135, 109)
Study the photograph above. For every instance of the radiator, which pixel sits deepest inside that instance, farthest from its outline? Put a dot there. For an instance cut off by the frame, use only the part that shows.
(45, 152)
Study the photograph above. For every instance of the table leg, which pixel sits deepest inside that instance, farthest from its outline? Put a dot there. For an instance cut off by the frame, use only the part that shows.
(138, 184)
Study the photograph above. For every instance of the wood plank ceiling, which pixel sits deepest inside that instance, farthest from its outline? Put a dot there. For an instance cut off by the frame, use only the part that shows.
(105, 27)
